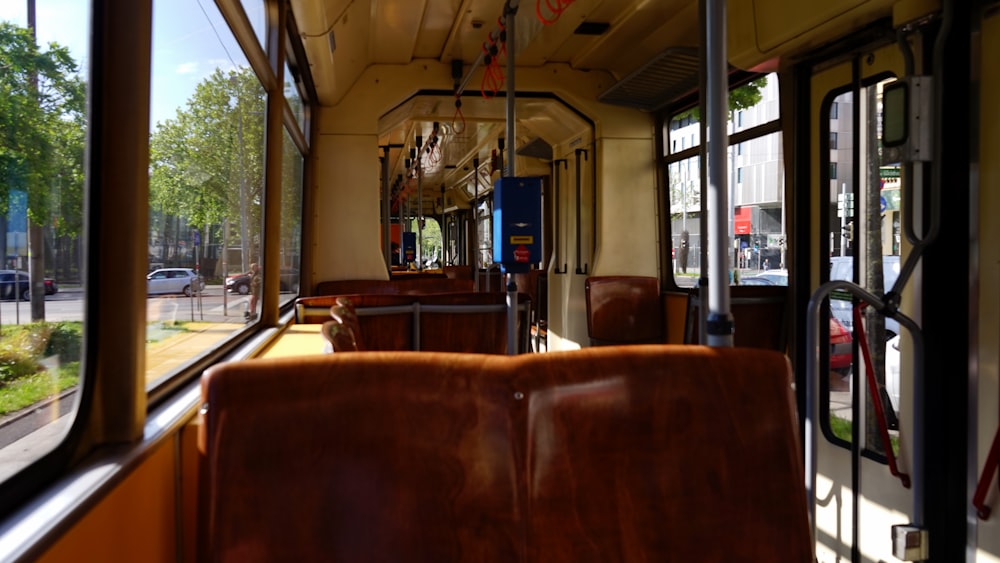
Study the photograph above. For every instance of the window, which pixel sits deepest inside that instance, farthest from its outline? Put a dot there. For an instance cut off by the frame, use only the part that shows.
(291, 218)
(206, 183)
(755, 184)
(43, 103)
(863, 248)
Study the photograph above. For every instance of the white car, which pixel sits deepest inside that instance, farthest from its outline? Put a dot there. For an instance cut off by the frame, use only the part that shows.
(842, 268)
(173, 280)
(892, 370)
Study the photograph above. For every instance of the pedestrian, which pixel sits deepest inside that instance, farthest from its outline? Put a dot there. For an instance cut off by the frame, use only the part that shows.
(255, 284)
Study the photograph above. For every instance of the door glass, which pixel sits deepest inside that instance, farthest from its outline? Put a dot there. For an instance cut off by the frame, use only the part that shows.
(864, 242)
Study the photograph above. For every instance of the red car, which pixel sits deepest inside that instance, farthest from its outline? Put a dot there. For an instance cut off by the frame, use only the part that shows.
(840, 346)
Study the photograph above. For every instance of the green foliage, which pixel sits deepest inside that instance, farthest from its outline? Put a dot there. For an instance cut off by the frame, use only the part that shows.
(66, 341)
(743, 97)
(42, 113)
(208, 160)
(36, 387)
(22, 347)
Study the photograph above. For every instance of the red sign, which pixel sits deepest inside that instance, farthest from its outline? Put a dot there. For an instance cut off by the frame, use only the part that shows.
(743, 221)
(522, 254)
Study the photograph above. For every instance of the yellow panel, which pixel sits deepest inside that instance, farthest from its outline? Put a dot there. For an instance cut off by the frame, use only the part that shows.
(137, 521)
(778, 21)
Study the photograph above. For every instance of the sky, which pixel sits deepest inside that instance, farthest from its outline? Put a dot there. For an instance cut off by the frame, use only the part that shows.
(190, 40)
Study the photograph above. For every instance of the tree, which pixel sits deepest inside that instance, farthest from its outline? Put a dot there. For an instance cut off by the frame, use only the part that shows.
(42, 124)
(207, 163)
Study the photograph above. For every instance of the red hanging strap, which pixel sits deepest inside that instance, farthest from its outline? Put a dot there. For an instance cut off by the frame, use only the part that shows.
(883, 426)
(989, 470)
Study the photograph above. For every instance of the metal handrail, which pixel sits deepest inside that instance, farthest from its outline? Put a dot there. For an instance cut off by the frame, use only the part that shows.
(812, 391)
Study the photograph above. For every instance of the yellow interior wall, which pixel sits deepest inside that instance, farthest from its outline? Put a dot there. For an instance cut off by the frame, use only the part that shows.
(137, 521)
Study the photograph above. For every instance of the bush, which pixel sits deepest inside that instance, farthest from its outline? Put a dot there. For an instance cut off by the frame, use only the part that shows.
(65, 341)
(23, 346)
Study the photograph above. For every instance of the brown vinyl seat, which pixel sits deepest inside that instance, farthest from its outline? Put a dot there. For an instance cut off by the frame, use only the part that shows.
(624, 310)
(611, 453)
(345, 315)
(339, 337)
(759, 314)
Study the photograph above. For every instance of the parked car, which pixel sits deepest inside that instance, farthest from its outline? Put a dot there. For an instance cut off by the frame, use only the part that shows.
(173, 280)
(842, 268)
(756, 280)
(841, 347)
(23, 289)
(240, 283)
(15, 284)
(892, 372)
(776, 277)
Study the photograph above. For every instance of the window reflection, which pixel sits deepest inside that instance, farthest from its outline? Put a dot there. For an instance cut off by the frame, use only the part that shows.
(206, 181)
(864, 243)
(291, 219)
(756, 188)
(43, 101)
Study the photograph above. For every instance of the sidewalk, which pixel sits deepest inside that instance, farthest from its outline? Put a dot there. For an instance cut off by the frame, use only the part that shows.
(169, 354)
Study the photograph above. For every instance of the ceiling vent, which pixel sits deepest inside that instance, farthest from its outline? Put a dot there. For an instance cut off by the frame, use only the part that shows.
(672, 74)
(591, 28)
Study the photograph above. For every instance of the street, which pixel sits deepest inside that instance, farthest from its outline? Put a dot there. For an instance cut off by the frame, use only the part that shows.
(67, 305)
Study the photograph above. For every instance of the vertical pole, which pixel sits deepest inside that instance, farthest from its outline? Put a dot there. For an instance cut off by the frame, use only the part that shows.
(475, 224)
(511, 13)
(420, 207)
(720, 322)
(386, 233)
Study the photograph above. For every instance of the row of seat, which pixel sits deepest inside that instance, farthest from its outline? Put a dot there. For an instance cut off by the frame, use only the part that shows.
(614, 453)
(452, 322)
(620, 309)
(633, 310)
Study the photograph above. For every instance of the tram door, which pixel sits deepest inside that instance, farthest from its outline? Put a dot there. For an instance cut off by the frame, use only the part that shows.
(854, 226)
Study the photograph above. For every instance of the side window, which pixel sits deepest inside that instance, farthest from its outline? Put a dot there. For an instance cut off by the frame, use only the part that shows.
(863, 238)
(206, 183)
(43, 113)
(756, 184)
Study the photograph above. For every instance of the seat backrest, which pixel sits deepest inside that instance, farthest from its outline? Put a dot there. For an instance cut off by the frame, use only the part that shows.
(624, 310)
(345, 316)
(614, 453)
(471, 322)
(759, 316)
(391, 456)
(662, 453)
(339, 337)
(459, 272)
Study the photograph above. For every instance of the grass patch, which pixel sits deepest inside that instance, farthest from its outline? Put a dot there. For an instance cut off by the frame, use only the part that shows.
(37, 362)
(842, 428)
(39, 386)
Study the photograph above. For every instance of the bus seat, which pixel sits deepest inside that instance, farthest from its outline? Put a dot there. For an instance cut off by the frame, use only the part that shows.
(759, 315)
(348, 319)
(391, 456)
(458, 272)
(624, 310)
(339, 337)
(663, 453)
(610, 453)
